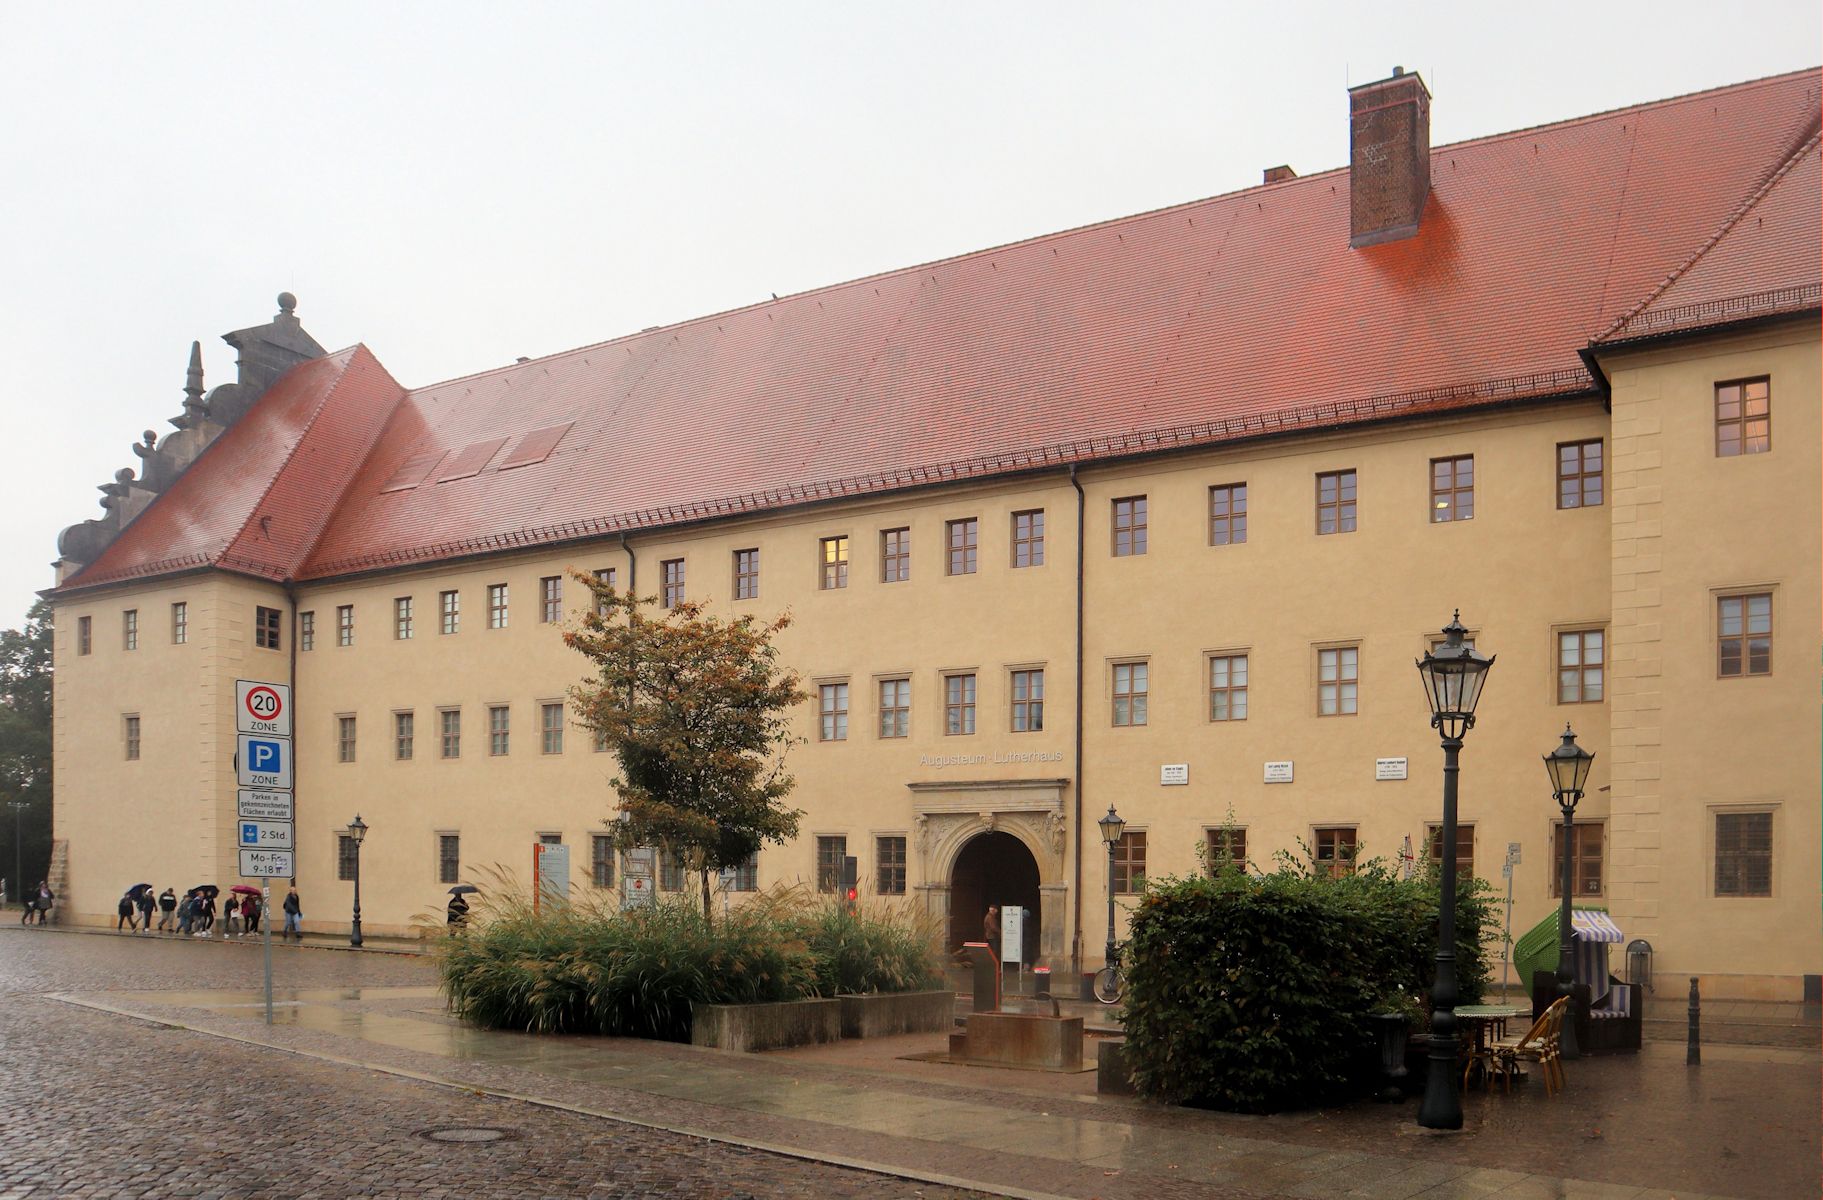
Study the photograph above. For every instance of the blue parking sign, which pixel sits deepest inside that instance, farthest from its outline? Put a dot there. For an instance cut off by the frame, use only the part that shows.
(264, 762)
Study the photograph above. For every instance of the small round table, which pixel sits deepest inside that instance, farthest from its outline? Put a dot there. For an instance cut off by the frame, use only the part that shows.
(1479, 1018)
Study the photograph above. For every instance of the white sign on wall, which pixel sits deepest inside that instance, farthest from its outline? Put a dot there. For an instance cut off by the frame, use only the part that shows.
(1278, 772)
(1389, 768)
(1174, 774)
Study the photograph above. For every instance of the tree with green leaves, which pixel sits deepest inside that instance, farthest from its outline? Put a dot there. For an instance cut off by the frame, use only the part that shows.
(25, 748)
(697, 709)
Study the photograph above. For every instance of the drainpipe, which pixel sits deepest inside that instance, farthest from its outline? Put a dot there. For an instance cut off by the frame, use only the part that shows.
(632, 566)
(291, 602)
(1076, 891)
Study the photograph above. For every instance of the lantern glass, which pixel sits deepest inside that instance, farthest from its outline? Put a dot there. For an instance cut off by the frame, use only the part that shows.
(357, 829)
(1568, 765)
(1112, 826)
(1453, 675)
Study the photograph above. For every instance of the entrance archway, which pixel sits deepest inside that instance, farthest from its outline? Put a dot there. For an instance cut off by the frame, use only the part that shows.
(993, 868)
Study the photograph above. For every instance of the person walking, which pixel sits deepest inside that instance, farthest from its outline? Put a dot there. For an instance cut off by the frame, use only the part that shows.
(990, 930)
(294, 914)
(145, 902)
(250, 913)
(46, 898)
(167, 910)
(125, 909)
(205, 914)
(186, 914)
(28, 906)
(458, 914)
(231, 917)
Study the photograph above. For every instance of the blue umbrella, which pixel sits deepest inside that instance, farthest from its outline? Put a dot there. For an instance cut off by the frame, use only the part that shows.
(138, 888)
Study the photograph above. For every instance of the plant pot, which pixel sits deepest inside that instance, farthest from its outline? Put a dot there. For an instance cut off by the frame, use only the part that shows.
(1394, 1031)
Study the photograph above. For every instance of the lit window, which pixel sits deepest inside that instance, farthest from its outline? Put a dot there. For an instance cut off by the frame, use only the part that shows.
(1130, 689)
(1028, 538)
(1338, 681)
(832, 707)
(895, 708)
(958, 704)
(835, 563)
(1129, 526)
(1579, 474)
(1336, 502)
(1743, 417)
(1744, 635)
(1452, 489)
(1028, 701)
(1228, 687)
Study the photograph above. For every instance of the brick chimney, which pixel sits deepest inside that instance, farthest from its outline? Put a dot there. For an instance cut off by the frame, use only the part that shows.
(1279, 174)
(1389, 158)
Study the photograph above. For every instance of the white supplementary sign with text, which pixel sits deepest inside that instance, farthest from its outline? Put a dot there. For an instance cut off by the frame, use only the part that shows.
(1389, 768)
(1278, 772)
(1173, 774)
(258, 864)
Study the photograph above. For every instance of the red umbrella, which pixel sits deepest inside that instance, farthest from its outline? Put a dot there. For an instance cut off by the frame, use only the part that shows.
(245, 890)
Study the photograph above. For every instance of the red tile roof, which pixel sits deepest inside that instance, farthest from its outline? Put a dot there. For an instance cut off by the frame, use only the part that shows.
(1233, 317)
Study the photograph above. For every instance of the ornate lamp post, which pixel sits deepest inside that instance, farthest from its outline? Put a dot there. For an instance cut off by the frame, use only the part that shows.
(357, 831)
(1453, 675)
(1568, 765)
(1111, 829)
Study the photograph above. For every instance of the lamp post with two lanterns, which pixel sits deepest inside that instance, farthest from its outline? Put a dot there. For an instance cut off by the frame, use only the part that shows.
(1568, 765)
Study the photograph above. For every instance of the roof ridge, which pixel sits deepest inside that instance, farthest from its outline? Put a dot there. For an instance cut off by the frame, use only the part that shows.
(1087, 227)
(1729, 223)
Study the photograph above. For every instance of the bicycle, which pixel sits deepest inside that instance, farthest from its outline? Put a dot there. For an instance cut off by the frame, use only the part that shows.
(1111, 980)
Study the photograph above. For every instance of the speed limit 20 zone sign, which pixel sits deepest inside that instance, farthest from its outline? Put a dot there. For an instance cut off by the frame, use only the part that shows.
(262, 707)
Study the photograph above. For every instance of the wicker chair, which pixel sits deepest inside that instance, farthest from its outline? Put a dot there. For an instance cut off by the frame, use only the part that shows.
(1539, 1044)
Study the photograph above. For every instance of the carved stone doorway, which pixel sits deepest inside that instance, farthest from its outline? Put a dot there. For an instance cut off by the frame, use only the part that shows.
(994, 868)
(951, 815)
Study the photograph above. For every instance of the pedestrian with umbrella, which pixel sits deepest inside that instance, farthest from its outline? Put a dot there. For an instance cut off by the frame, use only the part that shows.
(167, 909)
(458, 907)
(144, 901)
(125, 909)
(250, 908)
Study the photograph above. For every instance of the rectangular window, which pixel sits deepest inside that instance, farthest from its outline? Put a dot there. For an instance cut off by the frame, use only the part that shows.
(550, 839)
(671, 576)
(1129, 526)
(344, 739)
(670, 871)
(1452, 489)
(1028, 701)
(831, 851)
(601, 860)
(1336, 502)
(961, 541)
(1228, 687)
(1130, 863)
(600, 742)
(130, 726)
(1227, 514)
(895, 708)
(1227, 846)
(180, 624)
(1581, 659)
(608, 576)
(404, 735)
(746, 874)
(1336, 851)
(344, 625)
(550, 728)
(958, 705)
(895, 555)
(266, 628)
(1585, 859)
(1744, 635)
(835, 564)
(1579, 474)
(449, 605)
(306, 631)
(1743, 417)
(1338, 681)
(129, 629)
(499, 729)
(1028, 538)
(449, 857)
(550, 599)
(401, 619)
(449, 727)
(84, 628)
(1465, 847)
(1130, 689)
(346, 854)
(889, 866)
(497, 606)
(1743, 854)
(746, 574)
(832, 711)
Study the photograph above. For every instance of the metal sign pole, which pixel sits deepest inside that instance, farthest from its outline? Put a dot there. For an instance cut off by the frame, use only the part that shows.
(266, 928)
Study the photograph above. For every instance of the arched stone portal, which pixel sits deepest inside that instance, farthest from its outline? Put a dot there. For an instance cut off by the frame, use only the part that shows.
(993, 868)
(950, 815)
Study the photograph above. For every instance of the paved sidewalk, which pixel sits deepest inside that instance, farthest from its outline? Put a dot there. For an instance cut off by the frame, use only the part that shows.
(1629, 1126)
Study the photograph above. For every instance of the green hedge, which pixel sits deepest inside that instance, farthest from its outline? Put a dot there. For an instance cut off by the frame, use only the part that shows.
(1249, 993)
(589, 968)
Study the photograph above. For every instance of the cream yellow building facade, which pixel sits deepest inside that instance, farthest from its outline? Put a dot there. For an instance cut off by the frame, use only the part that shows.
(1256, 675)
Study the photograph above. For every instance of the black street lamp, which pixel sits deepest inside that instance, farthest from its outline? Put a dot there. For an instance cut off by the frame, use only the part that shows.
(357, 831)
(1453, 674)
(1111, 829)
(1568, 765)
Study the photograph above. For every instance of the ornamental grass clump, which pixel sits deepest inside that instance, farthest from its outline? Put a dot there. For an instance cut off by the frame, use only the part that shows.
(588, 967)
(1252, 993)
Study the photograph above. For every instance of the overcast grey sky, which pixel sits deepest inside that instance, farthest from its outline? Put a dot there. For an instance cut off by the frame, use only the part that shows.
(457, 184)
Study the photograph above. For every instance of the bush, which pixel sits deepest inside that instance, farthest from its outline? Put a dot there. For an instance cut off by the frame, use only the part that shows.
(587, 967)
(1251, 993)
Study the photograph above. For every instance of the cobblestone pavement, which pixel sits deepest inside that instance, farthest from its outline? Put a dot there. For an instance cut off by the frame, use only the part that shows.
(97, 1105)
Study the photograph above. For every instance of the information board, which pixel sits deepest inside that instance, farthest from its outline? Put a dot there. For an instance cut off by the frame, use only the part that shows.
(257, 864)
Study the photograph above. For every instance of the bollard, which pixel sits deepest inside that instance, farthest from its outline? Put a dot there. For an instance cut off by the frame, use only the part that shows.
(1694, 1055)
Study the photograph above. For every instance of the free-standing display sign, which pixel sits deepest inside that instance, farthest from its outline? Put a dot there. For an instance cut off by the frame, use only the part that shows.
(636, 875)
(550, 873)
(1012, 934)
